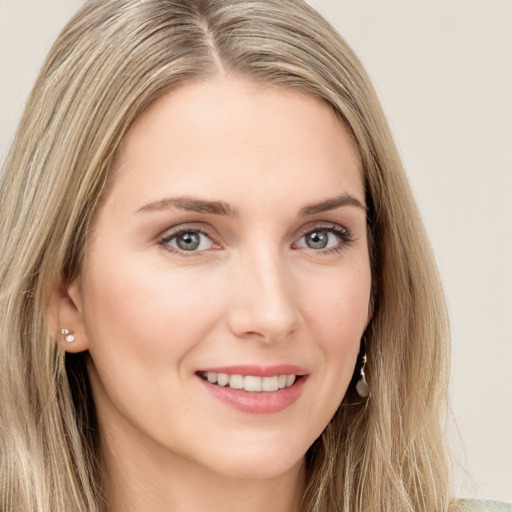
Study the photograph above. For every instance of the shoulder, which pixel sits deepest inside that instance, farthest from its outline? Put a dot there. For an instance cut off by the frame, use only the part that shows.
(483, 506)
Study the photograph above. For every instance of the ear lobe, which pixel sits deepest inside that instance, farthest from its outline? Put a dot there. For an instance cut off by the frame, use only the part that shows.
(65, 313)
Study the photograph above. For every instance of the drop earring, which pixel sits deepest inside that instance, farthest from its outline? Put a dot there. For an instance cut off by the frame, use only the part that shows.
(68, 336)
(362, 387)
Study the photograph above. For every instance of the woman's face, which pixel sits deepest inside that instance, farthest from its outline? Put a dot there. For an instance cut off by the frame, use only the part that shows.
(230, 250)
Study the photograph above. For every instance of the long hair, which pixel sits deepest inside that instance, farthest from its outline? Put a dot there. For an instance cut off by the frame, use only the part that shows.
(112, 60)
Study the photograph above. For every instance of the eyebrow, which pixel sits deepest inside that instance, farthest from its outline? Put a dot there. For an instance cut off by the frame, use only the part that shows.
(331, 204)
(192, 204)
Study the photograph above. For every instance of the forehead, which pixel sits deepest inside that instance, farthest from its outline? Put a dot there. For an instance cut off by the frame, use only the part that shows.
(230, 135)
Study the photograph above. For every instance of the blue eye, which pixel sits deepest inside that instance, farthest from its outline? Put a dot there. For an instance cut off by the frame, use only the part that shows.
(188, 241)
(322, 239)
(319, 239)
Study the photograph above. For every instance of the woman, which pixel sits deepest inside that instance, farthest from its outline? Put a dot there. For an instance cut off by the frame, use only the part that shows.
(214, 275)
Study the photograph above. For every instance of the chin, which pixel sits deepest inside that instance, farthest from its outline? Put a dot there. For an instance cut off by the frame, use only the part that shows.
(261, 468)
(260, 459)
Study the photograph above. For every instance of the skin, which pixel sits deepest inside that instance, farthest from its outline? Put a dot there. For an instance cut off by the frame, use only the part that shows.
(255, 292)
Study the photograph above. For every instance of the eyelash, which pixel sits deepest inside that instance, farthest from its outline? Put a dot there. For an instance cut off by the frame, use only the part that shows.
(164, 241)
(346, 238)
(343, 234)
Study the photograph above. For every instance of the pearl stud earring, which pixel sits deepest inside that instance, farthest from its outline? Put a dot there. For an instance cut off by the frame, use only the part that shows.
(68, 336)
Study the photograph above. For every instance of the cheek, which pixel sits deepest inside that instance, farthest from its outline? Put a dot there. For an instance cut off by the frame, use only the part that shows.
(338, 313)
(147, 311)
(339, 305)
(142, 322)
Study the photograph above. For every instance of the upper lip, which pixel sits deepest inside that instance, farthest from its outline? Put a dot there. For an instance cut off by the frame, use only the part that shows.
(258, 370)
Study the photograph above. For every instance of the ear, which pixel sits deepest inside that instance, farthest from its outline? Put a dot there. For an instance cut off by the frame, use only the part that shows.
(65, 312)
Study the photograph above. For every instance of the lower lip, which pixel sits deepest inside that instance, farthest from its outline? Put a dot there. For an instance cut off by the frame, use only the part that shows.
(257, 402)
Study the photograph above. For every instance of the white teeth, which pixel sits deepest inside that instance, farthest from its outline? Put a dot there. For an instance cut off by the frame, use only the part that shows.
(290, 379)
(236, 381)
(222, 379)
(270, 383)
(250, 382)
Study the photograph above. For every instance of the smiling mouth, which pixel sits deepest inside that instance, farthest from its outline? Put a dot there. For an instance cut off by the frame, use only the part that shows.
(250, 383)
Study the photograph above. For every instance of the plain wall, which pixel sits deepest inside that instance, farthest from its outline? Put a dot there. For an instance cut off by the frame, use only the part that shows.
(443, 70)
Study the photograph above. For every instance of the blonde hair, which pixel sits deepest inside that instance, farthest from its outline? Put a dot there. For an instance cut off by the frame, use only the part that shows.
(112, 60)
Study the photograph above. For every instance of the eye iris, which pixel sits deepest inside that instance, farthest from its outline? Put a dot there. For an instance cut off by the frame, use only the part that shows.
(188, 241)
(317, 239)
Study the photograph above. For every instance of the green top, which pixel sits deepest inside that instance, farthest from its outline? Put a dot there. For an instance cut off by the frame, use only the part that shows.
(484, 506)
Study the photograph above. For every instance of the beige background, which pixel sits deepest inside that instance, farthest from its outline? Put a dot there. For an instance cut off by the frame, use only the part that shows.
(443, 70)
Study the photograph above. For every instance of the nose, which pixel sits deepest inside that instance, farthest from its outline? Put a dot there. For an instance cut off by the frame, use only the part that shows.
(263, 300)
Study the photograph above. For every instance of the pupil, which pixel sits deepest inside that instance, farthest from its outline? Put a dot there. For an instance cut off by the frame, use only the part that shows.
(188, 241)
(317, 239)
